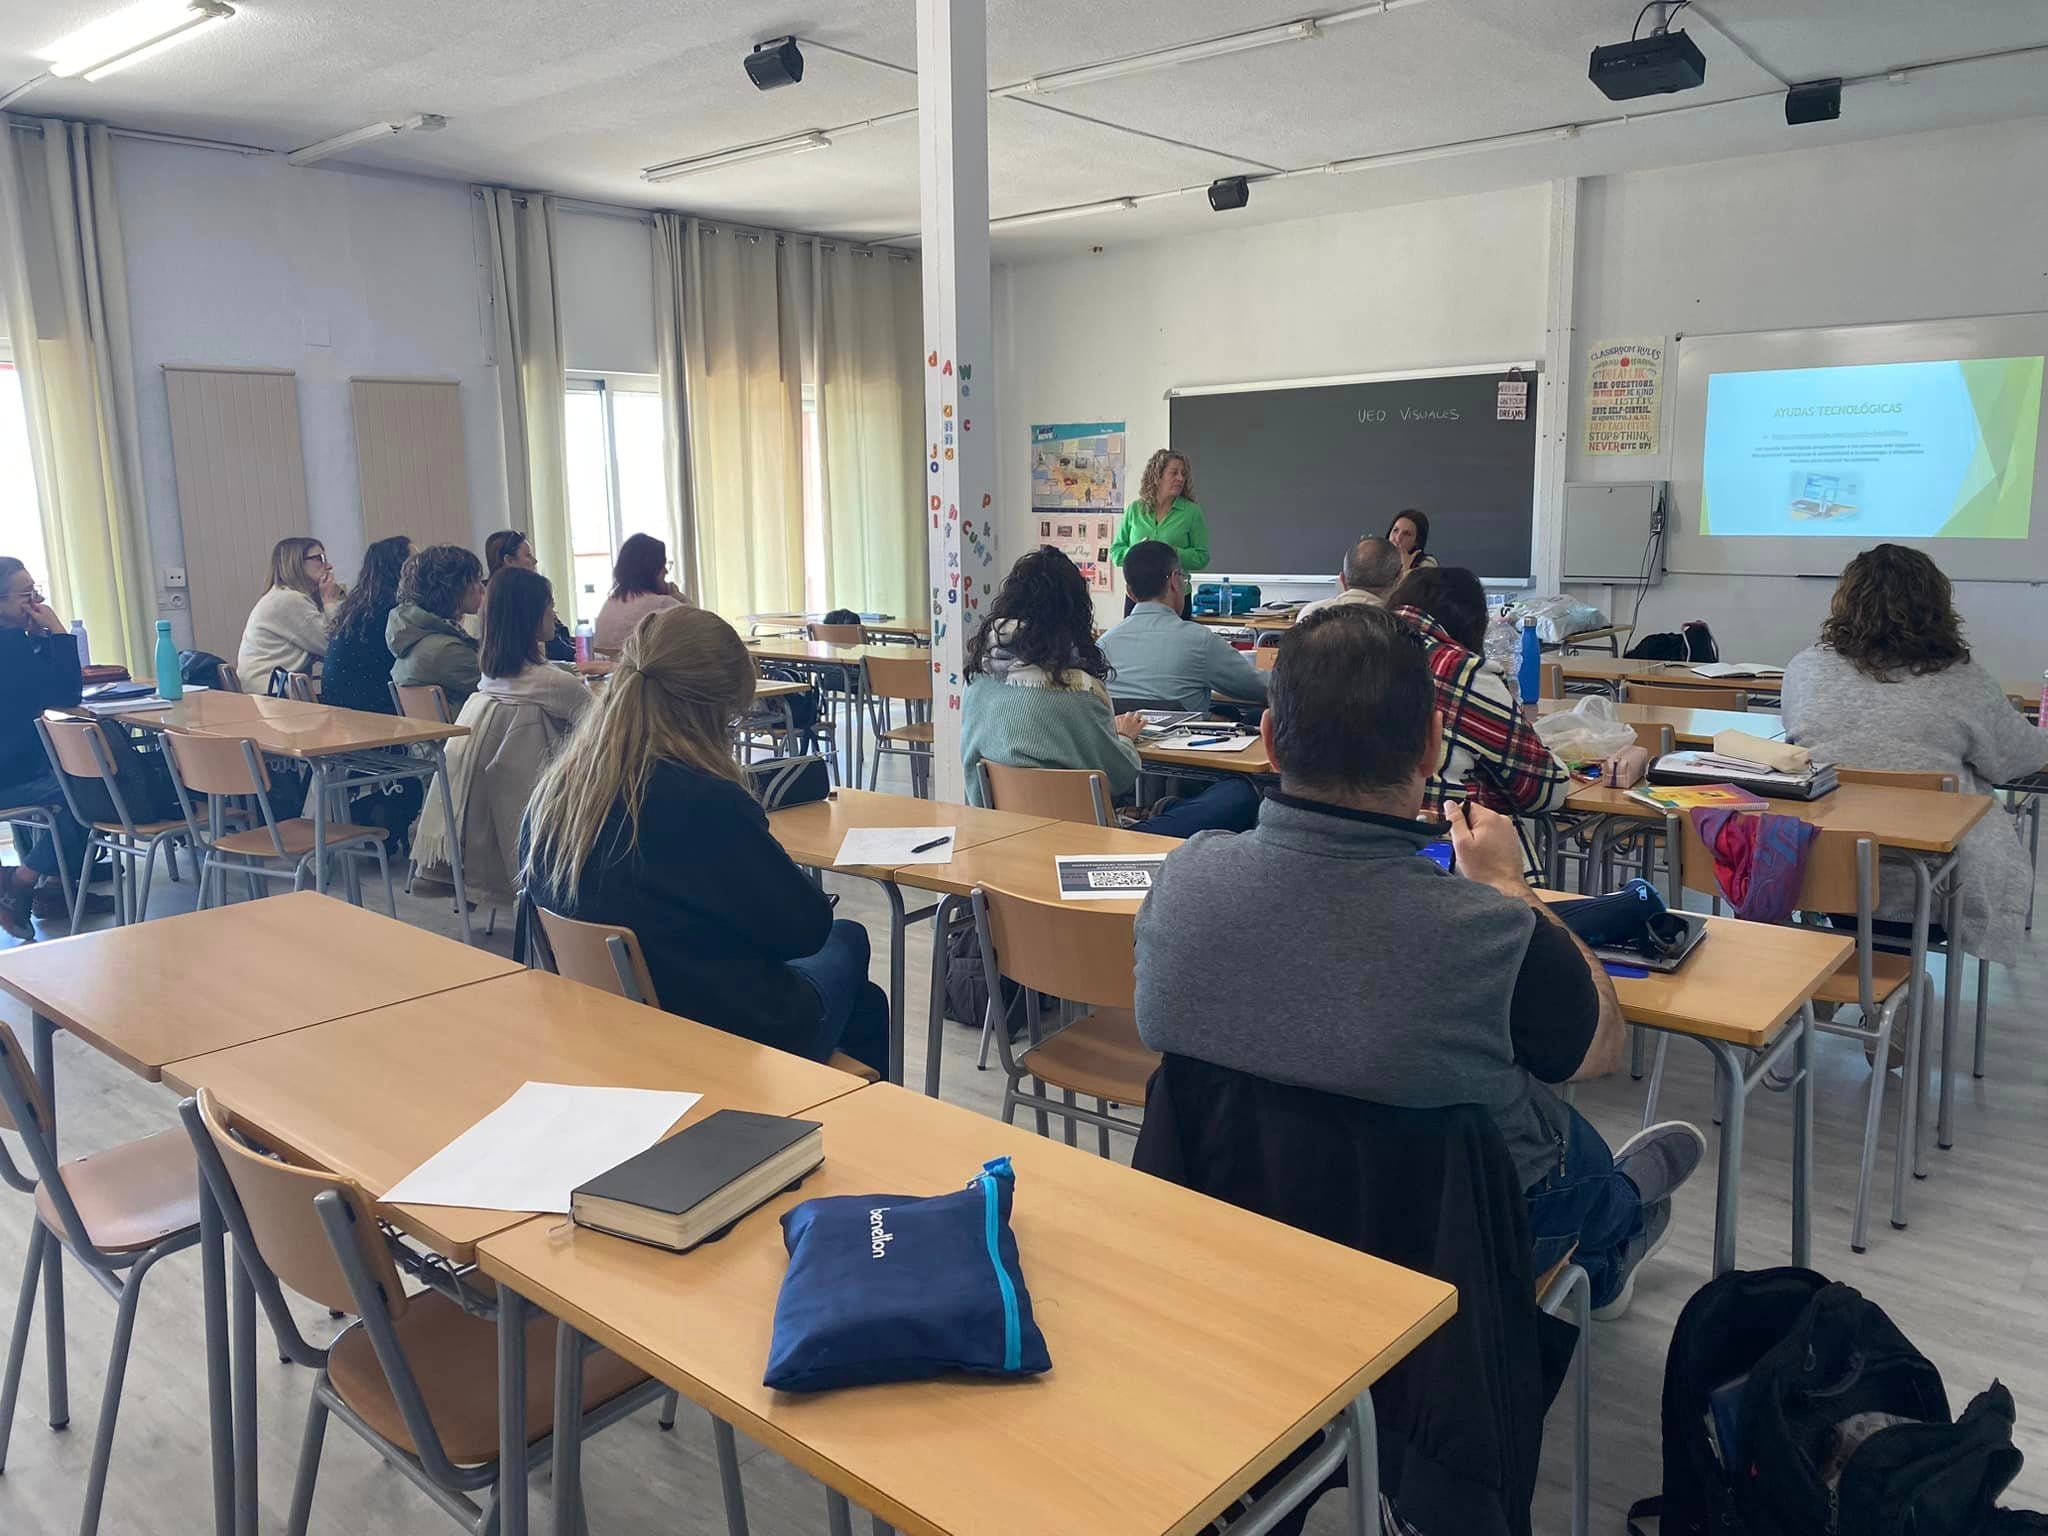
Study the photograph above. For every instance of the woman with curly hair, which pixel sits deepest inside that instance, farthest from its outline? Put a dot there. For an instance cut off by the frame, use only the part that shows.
(1038, 697)
(357, 672)
(1165, 510)
(439, 587)
(1891, 685)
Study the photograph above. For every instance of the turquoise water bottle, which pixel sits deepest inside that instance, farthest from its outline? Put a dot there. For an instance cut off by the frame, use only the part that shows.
(170, 680)
(1529, 674)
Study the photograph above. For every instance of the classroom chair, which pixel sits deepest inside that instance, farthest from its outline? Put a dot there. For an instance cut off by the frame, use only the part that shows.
(1565, 1285)
(301, 687)
(415, 1374)
(45, 817)
(1081, 957)
(1550, 680)
(421, 701)
(229, 766)
(1064, 794)
(77, 750)
(116, 1213)
(836, 634)
(1633, 692)
(227, 679)
(1841, 875)
(909, 679)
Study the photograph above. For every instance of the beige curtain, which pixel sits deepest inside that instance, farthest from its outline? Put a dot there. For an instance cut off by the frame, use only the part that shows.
(528, 324)
(670, 239)
(65, 287)
(870, 404)
(743, 402)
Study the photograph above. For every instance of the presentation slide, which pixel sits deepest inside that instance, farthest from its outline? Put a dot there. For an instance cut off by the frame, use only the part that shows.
(1922, 450)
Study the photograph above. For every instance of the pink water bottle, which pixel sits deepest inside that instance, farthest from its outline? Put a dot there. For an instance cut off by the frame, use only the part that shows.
(584, 633)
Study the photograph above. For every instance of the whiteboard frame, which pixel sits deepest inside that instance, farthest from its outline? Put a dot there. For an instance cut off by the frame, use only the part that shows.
(1394, 376)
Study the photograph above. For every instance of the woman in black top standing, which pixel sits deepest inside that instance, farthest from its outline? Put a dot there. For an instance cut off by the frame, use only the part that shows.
(357, 671)
(644, 821)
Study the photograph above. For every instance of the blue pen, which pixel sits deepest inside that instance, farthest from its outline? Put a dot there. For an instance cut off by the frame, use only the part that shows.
(1209, 741)
(1631, 972)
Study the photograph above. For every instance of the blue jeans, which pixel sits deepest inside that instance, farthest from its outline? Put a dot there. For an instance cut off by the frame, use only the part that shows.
(853, 1011)
(1229, 805)
(1588, 1203)
(38, 851)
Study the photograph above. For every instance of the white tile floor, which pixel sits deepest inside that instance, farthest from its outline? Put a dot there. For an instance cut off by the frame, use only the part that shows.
(1968, 1283)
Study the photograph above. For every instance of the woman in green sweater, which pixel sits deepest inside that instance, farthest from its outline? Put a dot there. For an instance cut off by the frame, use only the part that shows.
(1038, 697)
(1165, 510)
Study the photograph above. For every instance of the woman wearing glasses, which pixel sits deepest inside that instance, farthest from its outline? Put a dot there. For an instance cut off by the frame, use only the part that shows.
(38, 671)
(287, 629)
(640, 586)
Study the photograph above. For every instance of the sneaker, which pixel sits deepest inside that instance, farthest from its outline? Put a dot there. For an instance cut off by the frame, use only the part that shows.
(50, 906)
(1656, 1232)
(1661, 1157)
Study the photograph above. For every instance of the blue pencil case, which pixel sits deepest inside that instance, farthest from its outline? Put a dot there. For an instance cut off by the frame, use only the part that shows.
(904, 1288)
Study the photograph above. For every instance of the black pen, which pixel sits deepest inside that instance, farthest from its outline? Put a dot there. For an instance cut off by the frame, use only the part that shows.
(937, 842)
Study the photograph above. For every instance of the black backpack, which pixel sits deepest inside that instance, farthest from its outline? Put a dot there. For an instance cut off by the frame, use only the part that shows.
(1691, 641)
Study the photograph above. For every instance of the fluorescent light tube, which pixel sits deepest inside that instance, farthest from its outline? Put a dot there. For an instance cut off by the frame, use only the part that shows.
(1448, 151)
(127, 37)
(341, 143)
(796, 144)
(1141, 63)
(1054, 215)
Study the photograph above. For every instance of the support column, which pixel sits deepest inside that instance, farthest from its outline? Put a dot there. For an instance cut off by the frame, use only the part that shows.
(960, 427)
(1554, 401)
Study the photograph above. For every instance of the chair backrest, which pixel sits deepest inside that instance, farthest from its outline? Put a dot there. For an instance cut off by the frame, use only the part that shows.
(836, 634)
(421, 701)
(1266, 657)
(1829, 883)
(1898, 778)
(1074, 951)
(1550, 680)
(277, 1199)
(598, 955)
(24, 1111)
(215, 765)
(75, 746)
(1633, 692)
(14, 1063)
(227, 679)
(899, 677)
(1065, 794)
(299, 685)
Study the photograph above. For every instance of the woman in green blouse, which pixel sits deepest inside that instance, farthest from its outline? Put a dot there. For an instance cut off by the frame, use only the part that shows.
(1165, 510)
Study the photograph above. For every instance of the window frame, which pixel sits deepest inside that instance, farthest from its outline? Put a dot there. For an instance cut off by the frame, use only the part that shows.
(607, 385)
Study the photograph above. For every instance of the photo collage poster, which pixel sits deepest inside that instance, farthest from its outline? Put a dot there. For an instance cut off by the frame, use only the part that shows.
(1077, 493)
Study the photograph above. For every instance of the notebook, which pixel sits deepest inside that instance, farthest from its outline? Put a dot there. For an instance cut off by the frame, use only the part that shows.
(1735, 669)
(691, 1187)
(1674, 797)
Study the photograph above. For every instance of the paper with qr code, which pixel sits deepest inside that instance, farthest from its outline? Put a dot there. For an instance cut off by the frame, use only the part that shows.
(1107, 877)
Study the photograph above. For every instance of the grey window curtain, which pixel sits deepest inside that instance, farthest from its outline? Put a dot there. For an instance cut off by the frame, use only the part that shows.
(527, 321)
(65, 282)
(732, 387)
(870, 407)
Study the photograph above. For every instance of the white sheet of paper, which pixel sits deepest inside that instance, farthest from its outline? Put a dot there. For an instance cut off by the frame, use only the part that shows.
(898, 845)
(537, 1146)
(1107, 876)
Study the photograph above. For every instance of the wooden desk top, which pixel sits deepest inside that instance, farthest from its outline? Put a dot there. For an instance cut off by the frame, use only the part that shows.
(1153, 1299)
(1741, 985)
(777, 688)
(153, 993)
(798, 649)
(1917, 820)
(373, 1096)
(330, 731)
(907, 631)
(1689, 727)
(1253, 621)
(197, 711)
(811, 834)
(1250, 758)
(1665, 674)
(1023, 865)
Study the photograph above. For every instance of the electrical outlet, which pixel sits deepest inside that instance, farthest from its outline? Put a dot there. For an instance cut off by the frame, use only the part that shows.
(174, 577)
(174, 600)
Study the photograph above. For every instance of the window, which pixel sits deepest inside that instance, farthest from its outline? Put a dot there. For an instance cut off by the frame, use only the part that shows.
(616, 482)
(21, 518)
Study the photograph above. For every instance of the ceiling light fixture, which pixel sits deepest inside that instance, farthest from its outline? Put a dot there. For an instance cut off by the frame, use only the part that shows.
(1141, 63)
(1448, 151)
(127, 37)
(796, 144)
(341, 143)
(1055, 215)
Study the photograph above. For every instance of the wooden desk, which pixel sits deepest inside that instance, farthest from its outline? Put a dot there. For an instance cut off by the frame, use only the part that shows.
(152, 993)
(1689, 727)
(1153, 1300)
(373, 1096)
(1252, 621)
(801, 652)
(910, 633)
(203, 711)
(1251, 758)
(1610, 671)
(1608, 635)
(777, 688)
(1911, 820)
(1023, 865)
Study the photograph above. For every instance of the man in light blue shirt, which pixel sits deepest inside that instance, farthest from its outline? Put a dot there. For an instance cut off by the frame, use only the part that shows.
(1156, 656)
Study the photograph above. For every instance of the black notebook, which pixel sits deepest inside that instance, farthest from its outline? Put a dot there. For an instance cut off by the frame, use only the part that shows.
(702, 1179)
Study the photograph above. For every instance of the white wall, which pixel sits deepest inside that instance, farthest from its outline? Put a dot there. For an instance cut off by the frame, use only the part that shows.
(1904, 228)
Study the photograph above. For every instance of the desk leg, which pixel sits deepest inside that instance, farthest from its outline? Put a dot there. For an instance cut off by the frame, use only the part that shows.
(511, 1412)
(568, 1501)
(1916, 1043)
(896, 963)
(316, 786)
(243, 1355)
(1802, 1145)
(45, 1053)
(1734, 1096)
(1951, 1013)
(219, 1403)
(2033, 854)
(935, 1023)
(454, 841)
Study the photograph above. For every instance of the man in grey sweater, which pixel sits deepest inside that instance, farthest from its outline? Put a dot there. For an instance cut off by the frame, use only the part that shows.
(1380, 975)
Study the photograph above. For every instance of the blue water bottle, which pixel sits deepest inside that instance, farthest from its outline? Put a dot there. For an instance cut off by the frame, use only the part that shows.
(170, 676)
(1529, 673)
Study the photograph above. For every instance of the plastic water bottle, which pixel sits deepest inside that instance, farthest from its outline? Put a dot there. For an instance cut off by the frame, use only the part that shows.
(585, 632)
(1529, 675)
(84, 650)
(170, 677)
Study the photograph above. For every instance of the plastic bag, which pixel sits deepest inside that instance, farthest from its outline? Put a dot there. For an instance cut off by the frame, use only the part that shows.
(1558, 617)
(1588, 733)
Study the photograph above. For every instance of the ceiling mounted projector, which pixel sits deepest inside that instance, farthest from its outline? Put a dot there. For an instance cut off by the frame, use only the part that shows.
(1229, 192)
(775, 62)
(1815, 101)
(1655, 65)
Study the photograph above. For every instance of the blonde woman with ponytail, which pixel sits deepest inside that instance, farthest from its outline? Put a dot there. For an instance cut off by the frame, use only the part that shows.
(644, 821)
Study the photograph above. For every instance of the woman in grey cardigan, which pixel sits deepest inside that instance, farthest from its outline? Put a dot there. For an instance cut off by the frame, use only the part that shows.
(1891, 685)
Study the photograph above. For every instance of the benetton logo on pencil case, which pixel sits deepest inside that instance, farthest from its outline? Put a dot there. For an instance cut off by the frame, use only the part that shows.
(878, 1239)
